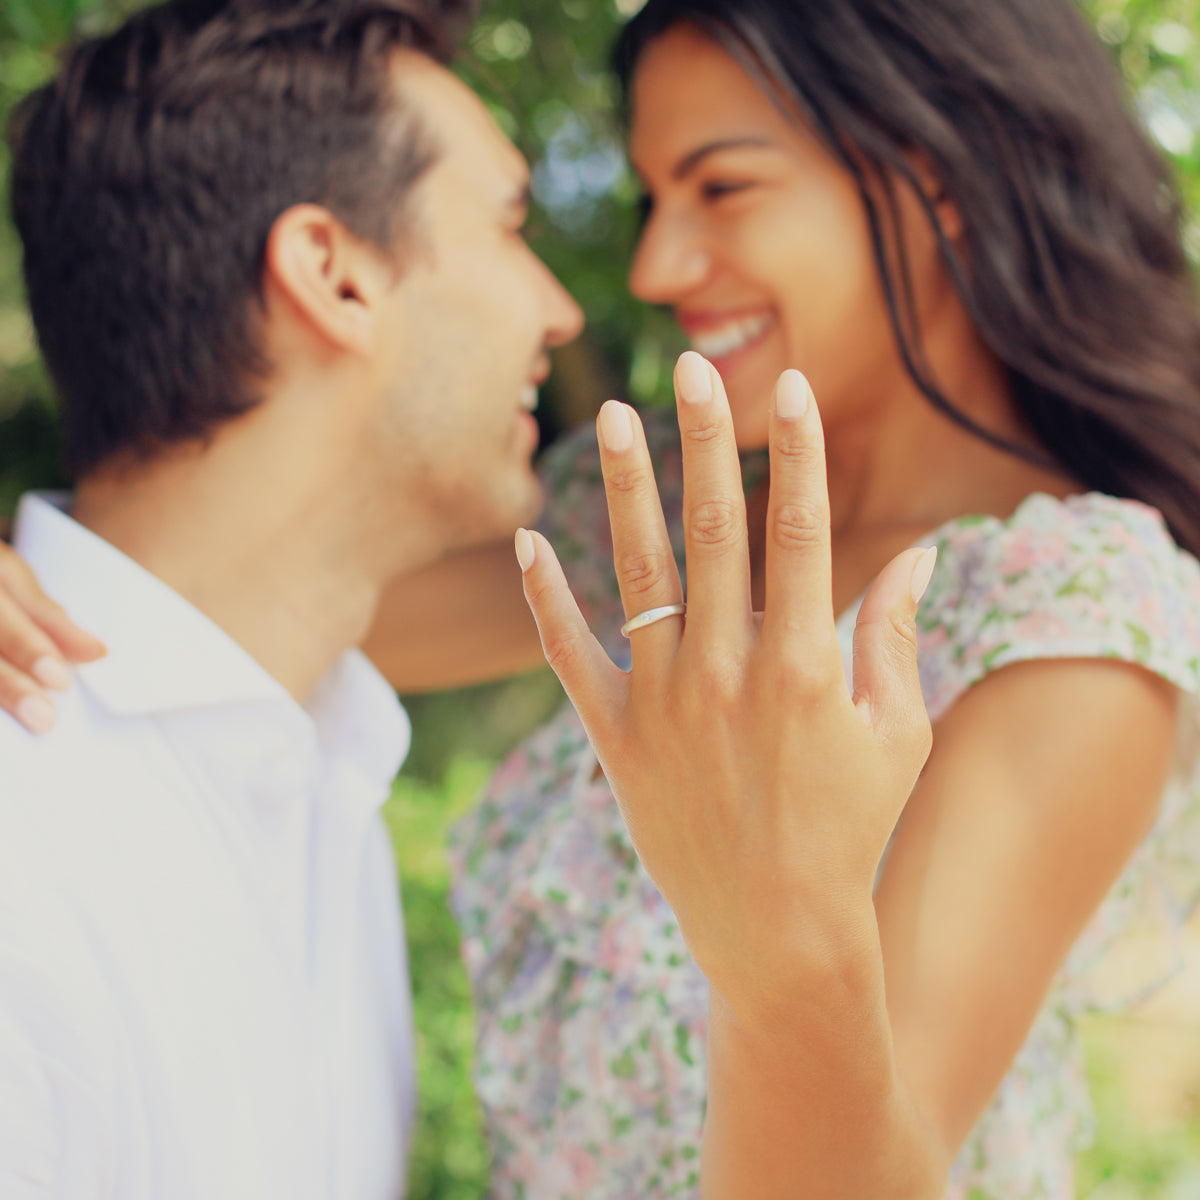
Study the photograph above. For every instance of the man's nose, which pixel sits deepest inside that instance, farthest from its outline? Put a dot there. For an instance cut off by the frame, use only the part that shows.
(564, 322)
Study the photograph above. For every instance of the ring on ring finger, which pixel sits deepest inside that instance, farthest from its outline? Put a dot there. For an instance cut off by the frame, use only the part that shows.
(652, 615)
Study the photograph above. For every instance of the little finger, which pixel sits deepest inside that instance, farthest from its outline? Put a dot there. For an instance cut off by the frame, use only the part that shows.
(887, 681)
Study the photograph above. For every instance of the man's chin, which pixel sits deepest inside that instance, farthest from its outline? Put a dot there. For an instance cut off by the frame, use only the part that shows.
(536, 503)
(520, 508)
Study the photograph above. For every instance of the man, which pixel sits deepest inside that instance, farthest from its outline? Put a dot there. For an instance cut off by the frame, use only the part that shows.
(274, 256)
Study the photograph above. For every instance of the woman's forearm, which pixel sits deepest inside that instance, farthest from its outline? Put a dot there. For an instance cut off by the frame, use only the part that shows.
(805, 1097)
(463, 620)
(760, 794)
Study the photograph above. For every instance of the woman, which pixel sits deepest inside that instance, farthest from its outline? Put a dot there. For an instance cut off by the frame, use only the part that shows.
(939, 210)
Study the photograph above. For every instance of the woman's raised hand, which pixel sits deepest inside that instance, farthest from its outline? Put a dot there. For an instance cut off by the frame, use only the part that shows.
(37, 640)
(759, 792)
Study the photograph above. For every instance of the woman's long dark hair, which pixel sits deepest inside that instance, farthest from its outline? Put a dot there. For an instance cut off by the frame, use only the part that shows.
(1072, 266)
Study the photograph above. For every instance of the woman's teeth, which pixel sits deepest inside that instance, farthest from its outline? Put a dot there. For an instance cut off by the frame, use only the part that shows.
(529, 397)
(717, 343)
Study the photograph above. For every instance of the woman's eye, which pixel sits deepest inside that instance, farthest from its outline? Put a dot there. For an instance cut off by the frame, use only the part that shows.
(717, 188)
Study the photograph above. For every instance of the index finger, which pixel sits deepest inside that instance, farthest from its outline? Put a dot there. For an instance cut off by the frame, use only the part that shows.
(35, 627)
(799, 571)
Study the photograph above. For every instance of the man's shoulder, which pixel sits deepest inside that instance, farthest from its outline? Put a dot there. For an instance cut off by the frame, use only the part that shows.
(53, 761)
(58, 791)
(57, 1033)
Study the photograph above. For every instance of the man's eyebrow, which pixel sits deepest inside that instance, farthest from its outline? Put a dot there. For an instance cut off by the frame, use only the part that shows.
(690, 162)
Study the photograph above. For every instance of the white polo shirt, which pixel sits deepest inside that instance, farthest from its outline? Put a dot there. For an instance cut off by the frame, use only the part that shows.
(203, 991)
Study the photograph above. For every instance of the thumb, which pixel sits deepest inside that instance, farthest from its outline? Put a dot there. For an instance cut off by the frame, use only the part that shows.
(887, 683)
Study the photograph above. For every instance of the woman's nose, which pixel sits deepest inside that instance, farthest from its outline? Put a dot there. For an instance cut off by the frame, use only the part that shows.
(668, 263)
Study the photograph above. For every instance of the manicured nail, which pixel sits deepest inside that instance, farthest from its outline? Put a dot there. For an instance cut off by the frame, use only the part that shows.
(792, 395)
(36, 713)
(923, 573)
(526, 552)
(616, 426)
(694, 376)
(52, 673)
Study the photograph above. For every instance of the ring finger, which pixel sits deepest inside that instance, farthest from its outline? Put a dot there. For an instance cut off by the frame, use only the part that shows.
(647, 574)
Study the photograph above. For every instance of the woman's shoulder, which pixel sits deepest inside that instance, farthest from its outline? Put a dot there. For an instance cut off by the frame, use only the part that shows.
(1089, 576)
(1085, 576)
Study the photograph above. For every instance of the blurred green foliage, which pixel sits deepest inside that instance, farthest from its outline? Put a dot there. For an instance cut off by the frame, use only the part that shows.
(449, 1159)
(542, 66)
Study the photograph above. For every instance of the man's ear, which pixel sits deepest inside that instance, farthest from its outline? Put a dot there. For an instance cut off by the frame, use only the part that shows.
(328, 276)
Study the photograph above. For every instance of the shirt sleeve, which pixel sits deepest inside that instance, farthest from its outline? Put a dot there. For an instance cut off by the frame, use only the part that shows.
(1088, 577)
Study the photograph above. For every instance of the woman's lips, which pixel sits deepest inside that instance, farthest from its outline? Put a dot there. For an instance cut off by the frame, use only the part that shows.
(721, 339)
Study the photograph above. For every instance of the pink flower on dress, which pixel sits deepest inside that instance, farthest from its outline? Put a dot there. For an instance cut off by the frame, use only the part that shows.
(621, 948)
(1022, 552)
(585, 1171)
(604, 999)
(1041, 626)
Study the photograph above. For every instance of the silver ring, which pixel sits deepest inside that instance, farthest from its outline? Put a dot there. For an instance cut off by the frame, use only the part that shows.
(651, 615)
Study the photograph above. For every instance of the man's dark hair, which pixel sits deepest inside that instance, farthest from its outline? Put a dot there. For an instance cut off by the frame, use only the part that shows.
(148, 175)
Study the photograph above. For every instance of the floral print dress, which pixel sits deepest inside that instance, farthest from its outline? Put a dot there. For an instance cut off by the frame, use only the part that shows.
(590, 1063)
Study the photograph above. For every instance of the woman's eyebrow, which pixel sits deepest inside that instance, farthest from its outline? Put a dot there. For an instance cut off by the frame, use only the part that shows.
(690, 162)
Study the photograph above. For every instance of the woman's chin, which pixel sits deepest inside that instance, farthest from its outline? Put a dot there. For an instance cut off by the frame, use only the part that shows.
(751, 418)
(751, 434)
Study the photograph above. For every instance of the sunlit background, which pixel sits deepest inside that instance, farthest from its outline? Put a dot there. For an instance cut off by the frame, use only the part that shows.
(542, 66)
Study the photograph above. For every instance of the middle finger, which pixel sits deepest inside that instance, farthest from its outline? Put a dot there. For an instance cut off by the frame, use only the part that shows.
(714, 503)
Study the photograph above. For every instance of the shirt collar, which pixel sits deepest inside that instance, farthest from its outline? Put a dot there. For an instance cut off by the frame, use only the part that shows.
(165, 655)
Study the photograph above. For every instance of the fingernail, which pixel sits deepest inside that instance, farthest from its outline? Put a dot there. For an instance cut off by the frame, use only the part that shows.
(36, 713)
(526, 552)
(52, 673)
(792, 394)
(923, 573)
(694, 377)
(616, 426)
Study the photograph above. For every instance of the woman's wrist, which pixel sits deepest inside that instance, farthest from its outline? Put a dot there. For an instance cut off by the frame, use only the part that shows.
(819, 956)
(786, 1089)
